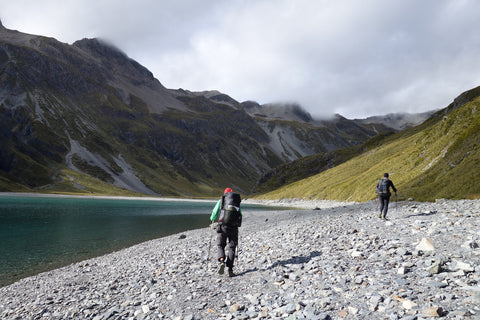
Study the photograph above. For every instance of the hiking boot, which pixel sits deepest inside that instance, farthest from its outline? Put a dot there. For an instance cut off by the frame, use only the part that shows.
(380, 216)
(230, 272)
(221, 270)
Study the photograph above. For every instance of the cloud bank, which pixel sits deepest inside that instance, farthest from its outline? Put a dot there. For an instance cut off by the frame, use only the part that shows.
(355, 58)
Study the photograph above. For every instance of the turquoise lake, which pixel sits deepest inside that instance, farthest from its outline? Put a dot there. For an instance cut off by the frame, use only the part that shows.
(40, 233)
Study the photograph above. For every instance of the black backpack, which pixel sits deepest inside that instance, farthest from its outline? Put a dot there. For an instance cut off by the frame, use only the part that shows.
(382, 187)
(230, 210)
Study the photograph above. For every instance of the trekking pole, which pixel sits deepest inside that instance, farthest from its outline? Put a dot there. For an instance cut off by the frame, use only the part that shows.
(396, 202)
(210, 243)
(238, 247)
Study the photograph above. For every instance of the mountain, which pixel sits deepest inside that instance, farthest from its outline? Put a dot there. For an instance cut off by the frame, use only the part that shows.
(285, 111)
(398, 121)
(305, 167)
(85, 118)
(436, 159)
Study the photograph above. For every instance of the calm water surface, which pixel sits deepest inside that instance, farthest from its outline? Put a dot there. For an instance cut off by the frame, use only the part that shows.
(42, 233)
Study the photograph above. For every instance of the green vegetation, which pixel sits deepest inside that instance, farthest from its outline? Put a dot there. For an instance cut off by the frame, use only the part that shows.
(303, 168)
(84, 107)
(73, 182)
(91, 170)
(438, 159)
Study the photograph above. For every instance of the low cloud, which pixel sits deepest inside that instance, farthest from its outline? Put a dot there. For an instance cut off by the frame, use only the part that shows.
(349, 57)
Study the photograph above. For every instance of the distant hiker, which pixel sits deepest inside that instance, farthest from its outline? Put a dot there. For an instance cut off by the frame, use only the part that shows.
(383, 192)
(229, 216)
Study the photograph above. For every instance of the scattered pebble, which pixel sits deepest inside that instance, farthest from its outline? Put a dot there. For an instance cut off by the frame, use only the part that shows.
(340, 262)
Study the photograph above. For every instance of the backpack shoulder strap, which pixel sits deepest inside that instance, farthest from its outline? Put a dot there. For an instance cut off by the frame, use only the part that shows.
(222, 202)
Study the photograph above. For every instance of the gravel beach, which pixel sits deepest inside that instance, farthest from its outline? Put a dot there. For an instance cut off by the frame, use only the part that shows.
(325, 261)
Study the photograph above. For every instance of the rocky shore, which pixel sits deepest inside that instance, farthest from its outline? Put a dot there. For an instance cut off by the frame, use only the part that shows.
(322, 262)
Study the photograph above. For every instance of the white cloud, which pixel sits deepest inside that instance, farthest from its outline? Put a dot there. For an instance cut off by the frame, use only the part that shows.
(356, 58)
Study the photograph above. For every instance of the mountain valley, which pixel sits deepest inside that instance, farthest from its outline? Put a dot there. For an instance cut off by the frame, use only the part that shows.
(86, 119)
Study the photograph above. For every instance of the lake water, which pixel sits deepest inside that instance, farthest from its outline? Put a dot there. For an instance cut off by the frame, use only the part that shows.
(40, 233)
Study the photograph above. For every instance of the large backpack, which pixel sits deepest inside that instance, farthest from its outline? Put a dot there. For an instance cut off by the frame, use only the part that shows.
(382, 187)
(230, 211)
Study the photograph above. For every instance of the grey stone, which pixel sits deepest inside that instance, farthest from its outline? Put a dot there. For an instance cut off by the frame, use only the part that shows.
(460, 265)
(436, 268)
(437, 284)
(299, 265)
(470, 245)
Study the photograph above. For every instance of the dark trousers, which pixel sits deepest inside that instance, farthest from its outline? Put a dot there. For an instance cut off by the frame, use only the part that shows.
(384, 205)
(231, 234)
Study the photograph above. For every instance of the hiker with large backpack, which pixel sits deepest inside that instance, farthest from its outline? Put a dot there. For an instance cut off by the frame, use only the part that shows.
(383, 192)
(228, 215)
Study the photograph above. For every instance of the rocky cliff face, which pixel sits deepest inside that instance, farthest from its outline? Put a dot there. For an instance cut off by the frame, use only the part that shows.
(87, 118)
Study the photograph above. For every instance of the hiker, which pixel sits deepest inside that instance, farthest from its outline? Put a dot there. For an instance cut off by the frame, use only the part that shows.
(383, 192)
(229, 216)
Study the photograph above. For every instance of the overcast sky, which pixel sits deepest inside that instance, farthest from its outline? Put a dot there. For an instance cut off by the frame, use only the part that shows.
(353, 57)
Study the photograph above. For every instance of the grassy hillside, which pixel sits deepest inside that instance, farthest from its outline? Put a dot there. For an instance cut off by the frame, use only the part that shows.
(438, 159)
(309, 166)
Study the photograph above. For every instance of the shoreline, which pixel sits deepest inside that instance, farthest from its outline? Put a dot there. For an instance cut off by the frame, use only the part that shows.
(147, 198)
(291, 203)
(334, 263)
(42, 265)
(302, 204)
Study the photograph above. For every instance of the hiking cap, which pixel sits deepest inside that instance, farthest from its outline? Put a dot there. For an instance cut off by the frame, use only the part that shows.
(227, 190)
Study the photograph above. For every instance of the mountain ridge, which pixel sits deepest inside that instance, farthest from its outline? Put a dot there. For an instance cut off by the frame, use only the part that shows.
(86, 118)
(436, 159)
(398, 121)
